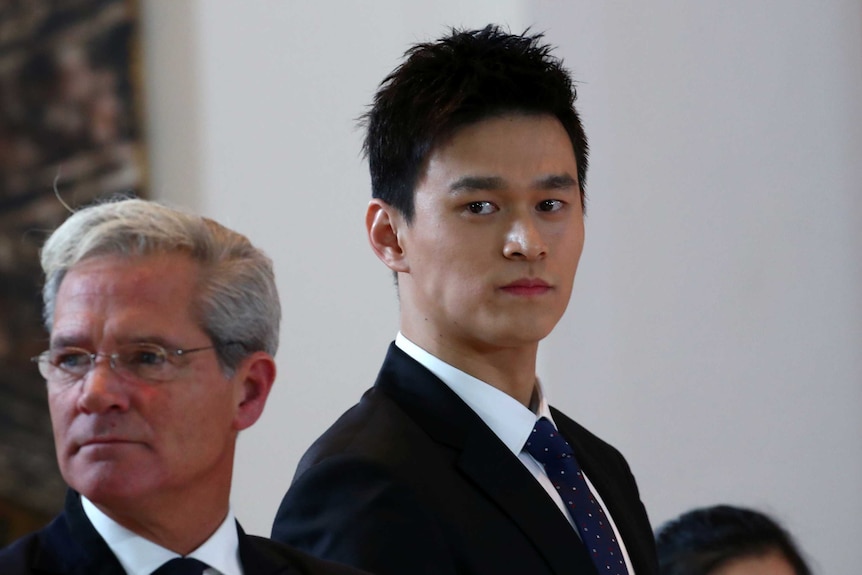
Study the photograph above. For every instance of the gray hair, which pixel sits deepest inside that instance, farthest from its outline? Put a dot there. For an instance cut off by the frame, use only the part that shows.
(237, 299)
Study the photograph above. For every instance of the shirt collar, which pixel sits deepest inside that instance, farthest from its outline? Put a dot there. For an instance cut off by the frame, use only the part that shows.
(508, 419)
(140, 556)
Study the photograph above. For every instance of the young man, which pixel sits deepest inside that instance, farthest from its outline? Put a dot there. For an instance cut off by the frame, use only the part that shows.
(452, 462)
(163, 326)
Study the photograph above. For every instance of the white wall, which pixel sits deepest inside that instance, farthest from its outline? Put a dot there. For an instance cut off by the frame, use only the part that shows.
(715, 329)
(715, 333)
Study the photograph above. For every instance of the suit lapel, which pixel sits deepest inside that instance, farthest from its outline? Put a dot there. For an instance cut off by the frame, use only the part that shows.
(503, 478)
(612, 479)
(255, 560)
(484, 460)
(73, 546)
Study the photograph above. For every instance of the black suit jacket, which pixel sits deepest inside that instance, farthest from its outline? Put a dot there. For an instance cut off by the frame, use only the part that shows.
(411, 481)
(70, 545)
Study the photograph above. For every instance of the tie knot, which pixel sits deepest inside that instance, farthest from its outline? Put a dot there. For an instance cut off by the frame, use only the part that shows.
(182, 566)
(546, 444)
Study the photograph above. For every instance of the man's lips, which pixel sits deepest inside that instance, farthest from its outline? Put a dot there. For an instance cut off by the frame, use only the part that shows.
(527, 287)
(105, 442)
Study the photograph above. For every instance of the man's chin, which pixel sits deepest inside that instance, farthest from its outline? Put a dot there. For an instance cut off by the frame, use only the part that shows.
(107, 484)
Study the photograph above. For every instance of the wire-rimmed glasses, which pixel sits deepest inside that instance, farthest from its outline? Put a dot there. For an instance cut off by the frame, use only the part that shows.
(142, 361)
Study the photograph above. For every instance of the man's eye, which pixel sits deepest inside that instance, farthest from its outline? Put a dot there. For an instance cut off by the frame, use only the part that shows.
(71, 359)
(550, 205)
(481, 208)
(148, 357)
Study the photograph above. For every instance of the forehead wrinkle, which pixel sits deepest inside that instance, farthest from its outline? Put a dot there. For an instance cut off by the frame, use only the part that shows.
(95, 308)
(85, 340)
(73, 328)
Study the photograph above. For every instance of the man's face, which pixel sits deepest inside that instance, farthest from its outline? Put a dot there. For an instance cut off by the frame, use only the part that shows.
(490, 256)
(123, 442)
(770, 563)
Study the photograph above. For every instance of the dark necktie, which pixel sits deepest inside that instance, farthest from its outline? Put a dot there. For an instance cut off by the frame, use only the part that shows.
(181, 566)
(549, 448)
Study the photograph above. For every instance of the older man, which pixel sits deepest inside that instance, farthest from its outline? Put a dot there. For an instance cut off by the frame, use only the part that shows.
(163, 326)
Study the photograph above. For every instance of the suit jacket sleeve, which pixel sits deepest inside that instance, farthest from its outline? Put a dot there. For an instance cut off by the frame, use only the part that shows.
(353, 510)
(261, 556)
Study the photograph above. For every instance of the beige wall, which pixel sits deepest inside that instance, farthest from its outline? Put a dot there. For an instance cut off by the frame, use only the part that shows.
(715, 329)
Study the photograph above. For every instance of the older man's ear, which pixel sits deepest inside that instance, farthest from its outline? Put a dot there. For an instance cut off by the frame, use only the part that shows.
(254, 380)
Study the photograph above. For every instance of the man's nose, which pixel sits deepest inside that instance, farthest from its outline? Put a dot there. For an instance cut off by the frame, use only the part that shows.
(102, 389)
(525, 240)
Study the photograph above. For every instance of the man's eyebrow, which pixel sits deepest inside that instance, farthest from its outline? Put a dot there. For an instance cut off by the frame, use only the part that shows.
(153, 339)
(66, 340)
(562, 181)
(476, 183)
(556, 182)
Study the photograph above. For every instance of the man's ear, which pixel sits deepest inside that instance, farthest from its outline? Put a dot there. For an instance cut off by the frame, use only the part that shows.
(384, 224)
(256, 374)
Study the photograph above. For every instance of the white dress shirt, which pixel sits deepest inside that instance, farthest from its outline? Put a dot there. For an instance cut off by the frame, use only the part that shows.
(508, 419)
(140, 556)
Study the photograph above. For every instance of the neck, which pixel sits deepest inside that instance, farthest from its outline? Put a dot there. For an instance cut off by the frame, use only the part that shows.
(512, 370)
(180, 524)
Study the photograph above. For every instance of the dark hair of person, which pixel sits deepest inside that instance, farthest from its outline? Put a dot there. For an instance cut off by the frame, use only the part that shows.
(458, 80)
(702, 540)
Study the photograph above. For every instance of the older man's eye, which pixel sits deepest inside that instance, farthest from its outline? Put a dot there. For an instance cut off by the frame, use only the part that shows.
(70, 359)
(144, 355)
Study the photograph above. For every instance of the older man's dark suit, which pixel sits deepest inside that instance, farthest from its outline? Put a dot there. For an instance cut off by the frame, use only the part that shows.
(70, 545)
(412, 481)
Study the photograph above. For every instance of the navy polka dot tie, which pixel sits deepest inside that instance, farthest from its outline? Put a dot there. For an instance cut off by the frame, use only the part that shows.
(550, 449)
(181, 566)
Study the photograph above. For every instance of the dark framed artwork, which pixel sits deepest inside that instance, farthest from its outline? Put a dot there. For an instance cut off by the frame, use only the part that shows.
(70, 128)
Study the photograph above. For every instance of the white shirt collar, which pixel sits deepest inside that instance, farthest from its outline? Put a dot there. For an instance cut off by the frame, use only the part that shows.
(140, 556)
(510, 421)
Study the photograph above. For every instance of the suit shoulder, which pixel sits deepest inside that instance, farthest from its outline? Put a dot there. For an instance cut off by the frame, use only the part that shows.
(590, 448)
(19, 556)
(572, 428)
(375, 429)
(299, 561)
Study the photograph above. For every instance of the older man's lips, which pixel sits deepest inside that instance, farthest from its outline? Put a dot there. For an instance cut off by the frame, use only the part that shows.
(527, 287)
(105, 442)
